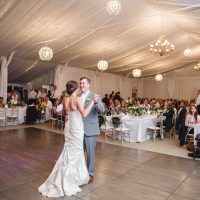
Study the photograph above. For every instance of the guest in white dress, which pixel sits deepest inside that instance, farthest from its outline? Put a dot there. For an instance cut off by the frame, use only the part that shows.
(70, 170)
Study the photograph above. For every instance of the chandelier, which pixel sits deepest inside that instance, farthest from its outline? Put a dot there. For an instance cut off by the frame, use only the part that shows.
(102, 65)
(136, 73)
(158, 77)
(188, 52)
(162, 47)
(197, 66)
(113, 7)
(46, 53)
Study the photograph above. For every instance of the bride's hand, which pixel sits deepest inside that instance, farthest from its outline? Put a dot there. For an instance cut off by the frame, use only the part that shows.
(95, 98)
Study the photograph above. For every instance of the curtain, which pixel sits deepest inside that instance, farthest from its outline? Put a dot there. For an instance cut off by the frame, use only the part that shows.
(101, 82)
(182, 87)
(4, 76)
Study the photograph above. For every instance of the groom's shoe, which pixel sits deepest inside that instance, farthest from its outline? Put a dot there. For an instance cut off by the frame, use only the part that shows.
(91, 179)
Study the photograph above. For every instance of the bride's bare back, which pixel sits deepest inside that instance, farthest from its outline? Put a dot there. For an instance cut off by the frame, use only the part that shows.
(73, 103)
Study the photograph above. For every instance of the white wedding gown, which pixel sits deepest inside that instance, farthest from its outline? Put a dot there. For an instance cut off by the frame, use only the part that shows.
(70, 170)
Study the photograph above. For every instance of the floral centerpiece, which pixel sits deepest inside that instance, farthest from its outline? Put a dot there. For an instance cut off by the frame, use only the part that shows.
(136, 110)
(14, 103)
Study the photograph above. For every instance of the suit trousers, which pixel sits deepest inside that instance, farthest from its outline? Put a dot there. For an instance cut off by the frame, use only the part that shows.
(90, 147)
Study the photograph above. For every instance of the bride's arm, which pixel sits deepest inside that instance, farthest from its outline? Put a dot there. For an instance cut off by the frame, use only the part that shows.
(84, 112)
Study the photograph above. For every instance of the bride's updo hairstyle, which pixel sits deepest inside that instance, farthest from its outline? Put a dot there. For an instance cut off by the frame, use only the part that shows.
(71, 86)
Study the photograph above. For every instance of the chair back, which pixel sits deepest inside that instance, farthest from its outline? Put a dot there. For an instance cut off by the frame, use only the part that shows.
(2, 113)
(15, 112)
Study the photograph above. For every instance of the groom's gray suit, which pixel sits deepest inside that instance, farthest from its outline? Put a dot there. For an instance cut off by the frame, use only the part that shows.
(91, 129)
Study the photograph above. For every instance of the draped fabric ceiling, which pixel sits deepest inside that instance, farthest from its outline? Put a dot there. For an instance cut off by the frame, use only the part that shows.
(81, 32)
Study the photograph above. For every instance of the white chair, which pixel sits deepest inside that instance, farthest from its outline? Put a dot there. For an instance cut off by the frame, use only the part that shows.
(3, 118)
(61, 121)
(121, 131)
(13, 116)
(156, 129)
(107, 127)
(52, 118)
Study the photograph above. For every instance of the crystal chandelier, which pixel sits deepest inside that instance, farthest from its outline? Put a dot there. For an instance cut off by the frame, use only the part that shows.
(197, 66)
(46, 53)
(136, 73)
(162, 47)
(102, 65)
(158, 77)
(188, 52)
(113, 7)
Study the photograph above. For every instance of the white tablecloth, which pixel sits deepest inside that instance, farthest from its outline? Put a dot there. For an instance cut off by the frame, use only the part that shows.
(21, 114)
(138, 126)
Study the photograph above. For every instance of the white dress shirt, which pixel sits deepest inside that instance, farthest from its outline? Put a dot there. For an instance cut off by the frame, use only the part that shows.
(83, 97)
(55, 94)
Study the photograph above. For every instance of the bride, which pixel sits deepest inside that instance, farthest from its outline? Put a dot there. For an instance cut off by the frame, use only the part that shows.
(70, 170)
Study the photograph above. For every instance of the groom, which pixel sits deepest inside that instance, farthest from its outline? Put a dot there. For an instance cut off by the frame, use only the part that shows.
(91, 124)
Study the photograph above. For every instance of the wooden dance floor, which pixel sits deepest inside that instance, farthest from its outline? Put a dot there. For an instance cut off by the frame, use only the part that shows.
(28, 155)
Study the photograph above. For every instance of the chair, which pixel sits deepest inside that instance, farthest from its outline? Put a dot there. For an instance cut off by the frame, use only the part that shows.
(120, 131)
(13, 116)
(52, 118)
(196, 142)
(156, 129)
(61, 121)
(3, 117)
(106, 127)
(170, 132)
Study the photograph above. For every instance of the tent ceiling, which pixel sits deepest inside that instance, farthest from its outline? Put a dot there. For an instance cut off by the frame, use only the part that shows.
(81, 32)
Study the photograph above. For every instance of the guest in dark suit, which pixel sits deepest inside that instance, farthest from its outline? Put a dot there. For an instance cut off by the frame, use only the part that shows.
(105, 100)
(168, 123)
(182, 129)
(31, 112)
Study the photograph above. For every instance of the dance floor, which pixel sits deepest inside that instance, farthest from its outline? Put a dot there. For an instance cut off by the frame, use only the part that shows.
(27, 156)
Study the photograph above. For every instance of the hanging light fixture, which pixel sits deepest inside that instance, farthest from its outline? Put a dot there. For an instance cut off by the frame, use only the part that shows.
(113, 7)
(188, 52)
(158, 77)
(46, 53)
(136, 73)
(102, 65)
(197, 66)
(162, 46)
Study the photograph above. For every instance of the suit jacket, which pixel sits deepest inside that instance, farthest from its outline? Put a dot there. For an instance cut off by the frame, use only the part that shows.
(91, 122)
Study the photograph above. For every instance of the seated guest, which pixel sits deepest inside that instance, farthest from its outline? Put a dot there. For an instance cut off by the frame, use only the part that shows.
(168, 123)
(44, 93)
(138, 103)
(146, 104)
(31, 112)
(192, 119)
(55, 105)
(180, 126)
(48, 103)
(1, 102)
(118, 108)
(111, 108)
(123, 107)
